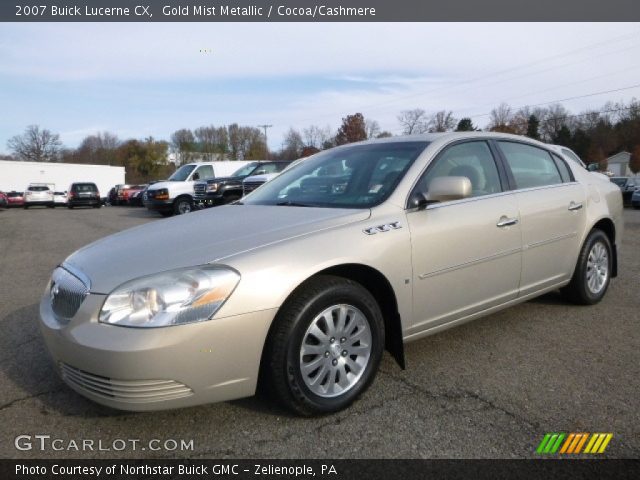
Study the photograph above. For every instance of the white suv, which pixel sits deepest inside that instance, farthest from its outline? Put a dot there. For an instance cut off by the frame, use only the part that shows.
(38, 194)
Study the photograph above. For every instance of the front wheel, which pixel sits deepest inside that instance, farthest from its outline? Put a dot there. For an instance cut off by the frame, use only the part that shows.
(593, 270)
(325, 346)
(182, 206)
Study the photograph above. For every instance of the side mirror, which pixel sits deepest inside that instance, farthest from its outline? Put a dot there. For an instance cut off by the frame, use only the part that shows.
(417, 200)
(260, 172)
(592, 167)
(442, 189)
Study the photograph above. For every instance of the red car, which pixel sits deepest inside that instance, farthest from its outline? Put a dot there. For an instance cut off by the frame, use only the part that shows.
(125, 193)
(15, 199)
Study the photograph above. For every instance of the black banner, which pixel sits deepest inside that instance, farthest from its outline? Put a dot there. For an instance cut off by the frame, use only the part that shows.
(319, 469)
(317, 10)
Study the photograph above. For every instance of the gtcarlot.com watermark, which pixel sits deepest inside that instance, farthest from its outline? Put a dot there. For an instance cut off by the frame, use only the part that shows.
(43, 443)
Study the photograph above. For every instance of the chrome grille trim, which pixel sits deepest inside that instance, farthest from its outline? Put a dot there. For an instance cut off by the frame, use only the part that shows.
(67, 292)
(130, 391)
(248, 187)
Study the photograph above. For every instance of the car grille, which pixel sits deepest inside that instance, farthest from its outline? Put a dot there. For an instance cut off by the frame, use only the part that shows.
(199, 190)
(67, 292)
(248, 187)
(130, 391)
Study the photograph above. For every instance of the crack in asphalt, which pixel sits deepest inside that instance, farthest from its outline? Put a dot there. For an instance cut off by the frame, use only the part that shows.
(28, 397)
(460, 395)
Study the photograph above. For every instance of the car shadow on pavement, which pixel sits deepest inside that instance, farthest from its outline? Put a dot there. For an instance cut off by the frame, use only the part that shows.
(136, 212)
(26, 364)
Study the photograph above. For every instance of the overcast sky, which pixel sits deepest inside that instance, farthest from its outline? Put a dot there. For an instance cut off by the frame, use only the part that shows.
(151, 79)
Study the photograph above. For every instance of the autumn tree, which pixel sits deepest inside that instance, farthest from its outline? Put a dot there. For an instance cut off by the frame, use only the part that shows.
(353, 129)
(35, 145)
(143, 160)
(413, 121)
(596, 155)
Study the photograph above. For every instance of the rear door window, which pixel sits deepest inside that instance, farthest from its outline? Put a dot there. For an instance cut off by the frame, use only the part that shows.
(531, 166)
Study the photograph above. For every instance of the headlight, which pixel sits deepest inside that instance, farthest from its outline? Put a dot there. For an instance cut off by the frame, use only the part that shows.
(212, 187)
(171, 298)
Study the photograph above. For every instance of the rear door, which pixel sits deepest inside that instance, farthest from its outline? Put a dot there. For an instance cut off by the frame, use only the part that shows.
(552, 210)
(466, 253)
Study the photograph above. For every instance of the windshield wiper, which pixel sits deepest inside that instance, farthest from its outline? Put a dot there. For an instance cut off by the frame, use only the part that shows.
(292, 204)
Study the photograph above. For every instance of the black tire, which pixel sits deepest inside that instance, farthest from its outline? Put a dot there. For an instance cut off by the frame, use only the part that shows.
(182, 205)
(578, 290)
(70, 207)
(281, 371)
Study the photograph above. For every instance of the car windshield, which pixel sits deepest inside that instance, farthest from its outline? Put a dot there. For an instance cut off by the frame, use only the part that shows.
(182, 173)
(619, 181)
(38, 188)
(246, 170)
(358, 176)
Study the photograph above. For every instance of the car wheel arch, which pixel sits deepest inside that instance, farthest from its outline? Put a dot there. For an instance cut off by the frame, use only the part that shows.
(379, 286)
(608, 227)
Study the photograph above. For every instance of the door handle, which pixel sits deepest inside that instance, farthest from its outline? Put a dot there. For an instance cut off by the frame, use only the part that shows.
(573, 206)
(506, 222)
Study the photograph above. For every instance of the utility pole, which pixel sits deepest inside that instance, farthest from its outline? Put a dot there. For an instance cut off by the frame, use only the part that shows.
(265, 137)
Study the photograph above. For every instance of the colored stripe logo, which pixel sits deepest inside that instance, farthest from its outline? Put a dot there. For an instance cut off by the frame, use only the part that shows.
(573, 443)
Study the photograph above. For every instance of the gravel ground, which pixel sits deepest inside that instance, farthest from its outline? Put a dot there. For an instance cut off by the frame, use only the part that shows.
(488, 389)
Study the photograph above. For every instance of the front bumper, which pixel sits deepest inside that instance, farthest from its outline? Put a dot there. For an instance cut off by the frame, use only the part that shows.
(156, 368)
(158, 205)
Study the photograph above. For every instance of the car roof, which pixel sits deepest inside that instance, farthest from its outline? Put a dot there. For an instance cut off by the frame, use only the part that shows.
(452, 136)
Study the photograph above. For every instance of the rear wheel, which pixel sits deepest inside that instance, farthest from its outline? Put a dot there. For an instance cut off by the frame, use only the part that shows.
(325, 346)
(593, 270)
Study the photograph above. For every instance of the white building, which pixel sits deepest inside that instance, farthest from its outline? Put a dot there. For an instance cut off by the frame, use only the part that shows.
(618, 164)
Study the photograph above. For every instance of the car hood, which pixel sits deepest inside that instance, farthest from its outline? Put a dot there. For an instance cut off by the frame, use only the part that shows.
(198, 238)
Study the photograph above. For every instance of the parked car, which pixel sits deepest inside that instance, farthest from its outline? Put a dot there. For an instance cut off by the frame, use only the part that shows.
(83, 194)
(627, 187)
(635, 199)
(4, 201)
(60, 198)
(176, 195)
(219, 191)
(302, 284)
(15, 199)
(127, 191)
(136, 196)
(38, 194)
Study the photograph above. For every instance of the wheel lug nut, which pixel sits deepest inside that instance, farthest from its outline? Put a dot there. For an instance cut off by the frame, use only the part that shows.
(326, 354)
(344, 353)
(342, 340)
(334, 362)
(332, 340)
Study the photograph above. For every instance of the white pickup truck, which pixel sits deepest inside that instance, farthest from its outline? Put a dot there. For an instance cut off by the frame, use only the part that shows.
(176, 195)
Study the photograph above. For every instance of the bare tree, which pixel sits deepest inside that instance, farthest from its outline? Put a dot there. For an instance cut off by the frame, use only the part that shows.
(372, 127)
(99, 149)
(553, 121)
(183, 144)
(500, 118)
(36, 145)
(212, 142)
(315, 136)
(442, 121)
(292, 145)
(413, 121)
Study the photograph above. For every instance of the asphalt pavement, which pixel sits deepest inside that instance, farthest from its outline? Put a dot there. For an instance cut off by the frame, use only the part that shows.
(489, 389)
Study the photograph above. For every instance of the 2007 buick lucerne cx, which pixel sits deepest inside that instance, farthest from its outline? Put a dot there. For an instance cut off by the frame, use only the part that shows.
(301, 286)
